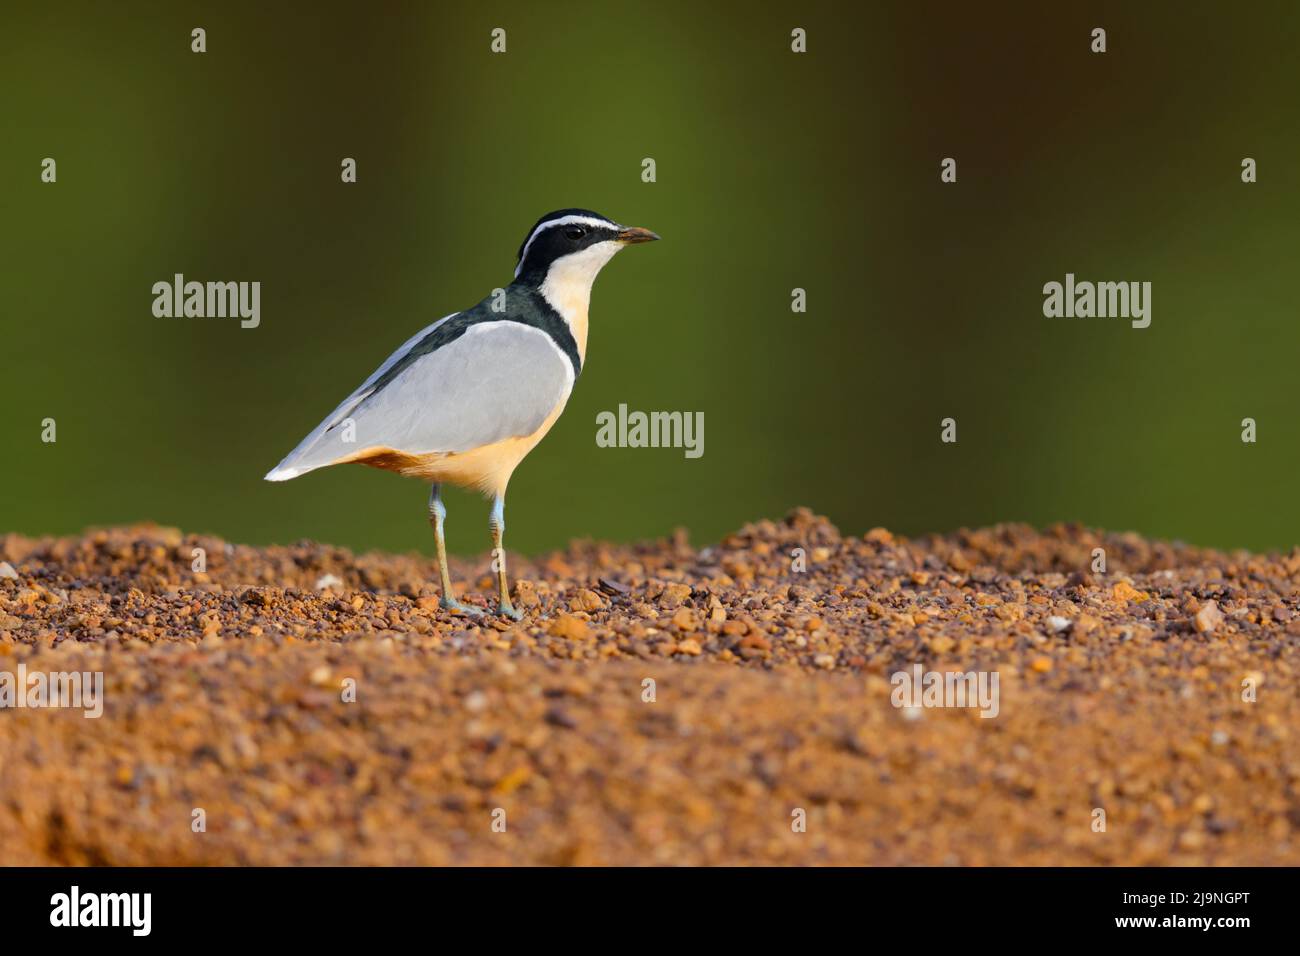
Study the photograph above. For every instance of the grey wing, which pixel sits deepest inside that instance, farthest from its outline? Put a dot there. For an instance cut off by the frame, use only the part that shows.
(497, 380)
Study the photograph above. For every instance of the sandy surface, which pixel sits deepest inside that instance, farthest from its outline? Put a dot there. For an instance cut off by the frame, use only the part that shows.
(224, 690)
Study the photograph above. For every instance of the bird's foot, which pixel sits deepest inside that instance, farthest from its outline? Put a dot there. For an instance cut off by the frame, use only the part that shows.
(506, 609)
(454, 605)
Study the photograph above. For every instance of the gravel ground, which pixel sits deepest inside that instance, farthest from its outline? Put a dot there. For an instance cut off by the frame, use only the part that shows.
(771, 737)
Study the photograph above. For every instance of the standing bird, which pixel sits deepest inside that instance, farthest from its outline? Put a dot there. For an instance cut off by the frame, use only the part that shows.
(464, 400)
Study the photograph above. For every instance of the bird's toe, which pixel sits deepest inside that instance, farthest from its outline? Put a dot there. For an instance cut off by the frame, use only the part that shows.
(458, 608)
(510, 611)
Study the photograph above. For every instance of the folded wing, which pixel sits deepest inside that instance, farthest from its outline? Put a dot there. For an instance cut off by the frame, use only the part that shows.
(442, 394)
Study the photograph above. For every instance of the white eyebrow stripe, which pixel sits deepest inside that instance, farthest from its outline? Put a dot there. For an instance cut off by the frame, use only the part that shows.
(562, 221)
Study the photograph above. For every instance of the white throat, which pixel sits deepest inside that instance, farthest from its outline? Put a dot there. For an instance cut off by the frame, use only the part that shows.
(567, 286)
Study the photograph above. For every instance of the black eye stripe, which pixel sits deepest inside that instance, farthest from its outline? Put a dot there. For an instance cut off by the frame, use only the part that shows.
(560, 233)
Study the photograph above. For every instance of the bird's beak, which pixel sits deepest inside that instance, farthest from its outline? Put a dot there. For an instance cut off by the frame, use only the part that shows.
(635, 234)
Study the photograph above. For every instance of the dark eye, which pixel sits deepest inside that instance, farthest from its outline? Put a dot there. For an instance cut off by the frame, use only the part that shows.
(575, 232)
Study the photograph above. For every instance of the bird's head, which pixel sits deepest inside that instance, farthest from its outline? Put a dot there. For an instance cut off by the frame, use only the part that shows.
(571, 245)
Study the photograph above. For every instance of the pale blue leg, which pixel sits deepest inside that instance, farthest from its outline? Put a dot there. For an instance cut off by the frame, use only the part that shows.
(437, 515)
(498, 524)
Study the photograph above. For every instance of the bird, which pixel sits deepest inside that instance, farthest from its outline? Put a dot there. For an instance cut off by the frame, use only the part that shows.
(464, 400)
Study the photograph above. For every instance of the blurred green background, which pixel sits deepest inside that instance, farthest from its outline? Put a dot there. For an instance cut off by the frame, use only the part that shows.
(775, 171)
